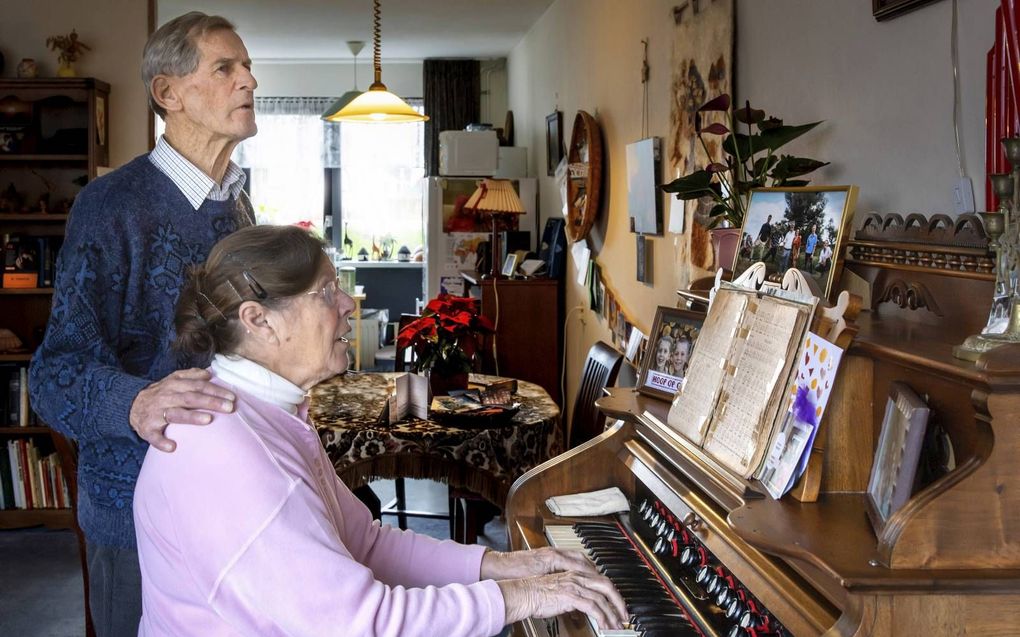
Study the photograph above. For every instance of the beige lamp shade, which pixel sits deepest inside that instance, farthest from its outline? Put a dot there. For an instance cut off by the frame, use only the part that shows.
(496, 196)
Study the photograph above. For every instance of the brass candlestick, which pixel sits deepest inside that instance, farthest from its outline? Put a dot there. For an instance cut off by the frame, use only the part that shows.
(1003, 325)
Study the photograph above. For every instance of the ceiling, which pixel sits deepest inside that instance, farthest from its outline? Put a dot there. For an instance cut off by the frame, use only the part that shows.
(411, 29)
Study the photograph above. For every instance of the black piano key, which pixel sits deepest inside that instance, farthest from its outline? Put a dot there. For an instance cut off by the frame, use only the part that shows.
(670, 632)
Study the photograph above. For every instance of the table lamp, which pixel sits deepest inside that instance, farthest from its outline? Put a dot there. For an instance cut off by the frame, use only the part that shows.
(495, 197)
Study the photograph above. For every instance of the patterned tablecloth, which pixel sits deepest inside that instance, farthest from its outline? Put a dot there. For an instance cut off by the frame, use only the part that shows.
(346, 409)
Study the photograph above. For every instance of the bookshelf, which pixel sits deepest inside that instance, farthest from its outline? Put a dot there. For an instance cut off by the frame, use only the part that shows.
(53, 139)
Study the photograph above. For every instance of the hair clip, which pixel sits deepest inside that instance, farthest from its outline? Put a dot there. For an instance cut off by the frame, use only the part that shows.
(214, 306)
(260, 292)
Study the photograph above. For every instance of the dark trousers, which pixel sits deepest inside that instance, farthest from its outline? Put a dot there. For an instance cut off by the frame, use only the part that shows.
(115, 590)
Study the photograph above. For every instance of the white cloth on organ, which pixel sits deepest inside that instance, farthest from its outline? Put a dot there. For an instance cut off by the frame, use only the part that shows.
(603, 502)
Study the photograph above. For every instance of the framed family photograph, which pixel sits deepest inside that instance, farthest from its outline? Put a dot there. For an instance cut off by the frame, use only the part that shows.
(553, 141)
(803, 228)
(897, 455)
(509, 265)
(670, 343)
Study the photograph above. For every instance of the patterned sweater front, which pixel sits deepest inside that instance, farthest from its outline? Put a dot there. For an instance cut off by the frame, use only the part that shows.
(131, 237)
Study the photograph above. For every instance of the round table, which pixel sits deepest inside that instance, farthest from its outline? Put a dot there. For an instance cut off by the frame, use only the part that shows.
(345, 410)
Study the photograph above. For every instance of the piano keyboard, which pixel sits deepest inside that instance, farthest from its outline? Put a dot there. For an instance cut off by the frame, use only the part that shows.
(654, 610)
(672, 584)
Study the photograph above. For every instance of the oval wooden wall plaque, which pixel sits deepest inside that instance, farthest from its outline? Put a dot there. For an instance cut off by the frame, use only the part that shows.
(584, 178)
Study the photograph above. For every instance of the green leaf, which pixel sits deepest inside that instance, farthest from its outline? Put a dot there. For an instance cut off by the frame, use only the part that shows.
(774, 138)
(719, 209)
(720, 103)
(790, 166)
(696, 185)
(765, 164)
(770, 123)
(740, 145)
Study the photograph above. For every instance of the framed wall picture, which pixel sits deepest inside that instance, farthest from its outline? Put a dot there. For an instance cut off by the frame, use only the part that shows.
(553, 141)
(509, 265)
(803, 228)
(897, 455)
(670, 342)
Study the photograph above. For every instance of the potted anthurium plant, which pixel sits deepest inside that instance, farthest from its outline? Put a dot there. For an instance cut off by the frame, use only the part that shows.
(445, 340)
(750, 160)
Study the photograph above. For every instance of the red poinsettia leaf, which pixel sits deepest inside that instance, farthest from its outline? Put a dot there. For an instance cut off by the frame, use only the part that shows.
(485, 324)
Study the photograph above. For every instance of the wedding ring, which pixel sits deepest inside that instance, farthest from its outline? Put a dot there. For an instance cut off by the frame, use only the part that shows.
(165, 421)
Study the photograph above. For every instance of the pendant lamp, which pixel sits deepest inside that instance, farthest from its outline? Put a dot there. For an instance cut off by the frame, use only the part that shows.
(355, 47)
(377, 104)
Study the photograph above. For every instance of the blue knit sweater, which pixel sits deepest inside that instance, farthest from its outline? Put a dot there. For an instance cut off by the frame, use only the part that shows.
(130, 239)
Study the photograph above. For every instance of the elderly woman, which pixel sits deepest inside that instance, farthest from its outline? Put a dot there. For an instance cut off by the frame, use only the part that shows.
(246, 530)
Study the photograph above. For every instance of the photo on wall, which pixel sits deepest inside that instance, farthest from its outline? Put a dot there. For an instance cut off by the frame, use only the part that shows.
(803, 228)
(670, 343)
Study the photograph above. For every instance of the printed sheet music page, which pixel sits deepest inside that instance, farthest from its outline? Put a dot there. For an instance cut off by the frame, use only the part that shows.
(695, 404)
(751, 395)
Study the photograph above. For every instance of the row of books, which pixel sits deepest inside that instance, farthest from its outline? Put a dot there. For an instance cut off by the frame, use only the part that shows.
(29, 262)
(30, 479)
(14, 397)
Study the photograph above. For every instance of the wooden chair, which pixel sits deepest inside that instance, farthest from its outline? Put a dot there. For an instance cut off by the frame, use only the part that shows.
(67, 451)
(600, 371)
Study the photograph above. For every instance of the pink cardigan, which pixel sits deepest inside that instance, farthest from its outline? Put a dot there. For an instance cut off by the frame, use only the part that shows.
(245, 529)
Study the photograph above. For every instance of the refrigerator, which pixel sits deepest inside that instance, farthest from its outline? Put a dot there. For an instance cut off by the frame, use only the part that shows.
(452, 234)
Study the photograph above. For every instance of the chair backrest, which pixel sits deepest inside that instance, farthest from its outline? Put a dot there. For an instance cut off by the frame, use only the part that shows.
(403, 357)
(600, 370)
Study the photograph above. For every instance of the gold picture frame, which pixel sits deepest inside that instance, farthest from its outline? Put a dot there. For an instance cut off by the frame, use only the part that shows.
(778, 228)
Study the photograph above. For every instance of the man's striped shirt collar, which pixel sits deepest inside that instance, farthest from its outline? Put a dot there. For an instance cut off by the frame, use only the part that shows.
(192, 182)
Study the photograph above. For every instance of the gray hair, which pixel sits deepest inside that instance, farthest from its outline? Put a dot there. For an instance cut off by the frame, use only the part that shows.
(173, 49)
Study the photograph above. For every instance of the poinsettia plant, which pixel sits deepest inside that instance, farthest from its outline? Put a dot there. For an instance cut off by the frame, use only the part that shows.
(446, 336)
(750, 160)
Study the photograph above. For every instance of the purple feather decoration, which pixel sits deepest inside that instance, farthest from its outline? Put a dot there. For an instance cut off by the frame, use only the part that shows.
(803, 408)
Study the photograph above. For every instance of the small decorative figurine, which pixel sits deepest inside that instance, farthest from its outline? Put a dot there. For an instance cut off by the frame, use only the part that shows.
(71, 48)
(27, 69)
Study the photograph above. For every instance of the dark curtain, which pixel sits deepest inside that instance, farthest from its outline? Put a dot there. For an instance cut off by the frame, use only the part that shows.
(452, 97)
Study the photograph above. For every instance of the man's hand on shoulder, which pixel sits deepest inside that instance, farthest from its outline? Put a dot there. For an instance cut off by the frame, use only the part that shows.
(177, 398)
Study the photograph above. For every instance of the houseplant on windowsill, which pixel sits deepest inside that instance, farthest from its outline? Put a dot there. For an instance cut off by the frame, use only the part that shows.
(750, 161)
(445, 340)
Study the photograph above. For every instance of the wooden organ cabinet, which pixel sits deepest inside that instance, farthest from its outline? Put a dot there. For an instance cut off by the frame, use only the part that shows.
(947, 563)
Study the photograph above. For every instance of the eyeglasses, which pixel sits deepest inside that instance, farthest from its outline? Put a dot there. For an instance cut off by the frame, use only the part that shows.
(330, 293)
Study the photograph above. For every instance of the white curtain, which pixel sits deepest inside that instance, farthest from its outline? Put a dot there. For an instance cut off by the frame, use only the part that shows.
(287, 156)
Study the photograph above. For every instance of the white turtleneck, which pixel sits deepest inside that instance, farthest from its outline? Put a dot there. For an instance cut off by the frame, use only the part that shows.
(254, 379)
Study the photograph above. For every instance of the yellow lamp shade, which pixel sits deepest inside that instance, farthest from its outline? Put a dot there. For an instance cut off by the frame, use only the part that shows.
(377, 105)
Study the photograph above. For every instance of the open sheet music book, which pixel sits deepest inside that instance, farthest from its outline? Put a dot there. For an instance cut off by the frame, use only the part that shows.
(737, 380)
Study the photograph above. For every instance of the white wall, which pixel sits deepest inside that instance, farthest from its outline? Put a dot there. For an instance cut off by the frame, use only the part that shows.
(115, 29)
(883, 89)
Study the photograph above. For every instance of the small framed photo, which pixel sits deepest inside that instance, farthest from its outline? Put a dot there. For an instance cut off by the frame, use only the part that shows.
(509, 265)
(670, 343)
(897, 455)
(553, 141)
(803, 228)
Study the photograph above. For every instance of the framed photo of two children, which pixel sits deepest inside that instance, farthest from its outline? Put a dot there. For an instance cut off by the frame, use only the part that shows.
(670, 343)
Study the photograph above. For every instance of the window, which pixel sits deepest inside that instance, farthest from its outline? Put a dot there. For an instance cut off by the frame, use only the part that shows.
(382, 174)
(299, 164)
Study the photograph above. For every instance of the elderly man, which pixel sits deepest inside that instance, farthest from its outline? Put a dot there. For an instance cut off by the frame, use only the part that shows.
(105, 374)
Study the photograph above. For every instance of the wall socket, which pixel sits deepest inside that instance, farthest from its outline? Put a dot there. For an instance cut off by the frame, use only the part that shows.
(963, 196)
